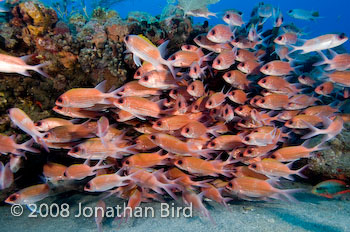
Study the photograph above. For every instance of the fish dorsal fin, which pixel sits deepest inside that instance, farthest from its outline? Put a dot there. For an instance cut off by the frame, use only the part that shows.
(162, 48)
(101, 86)
(146, 39)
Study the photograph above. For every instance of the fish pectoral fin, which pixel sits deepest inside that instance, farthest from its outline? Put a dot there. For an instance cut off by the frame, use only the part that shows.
(25, 73)
(137, 60)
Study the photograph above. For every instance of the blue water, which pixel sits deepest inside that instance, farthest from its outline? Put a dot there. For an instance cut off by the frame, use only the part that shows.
(335, 14)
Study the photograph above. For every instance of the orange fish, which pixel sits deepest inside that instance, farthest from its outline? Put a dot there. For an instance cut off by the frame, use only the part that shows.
(292, 153)
(146, 160)
(272, 167)
(29, 195)
(333, 128)
(255, 189)
(224, 60)
(158, 79)
(85, 97)
(220, 34)
(144, 49)
(11, 64)
(133, 88)
(339, 62)
(138, 106)
(6, 176)
(325, 89)
(202, 41)
(340, 77)
(54, 171)
(49, 123)
(81, 171)
(277, 68)
(237, 79)
(8, 145)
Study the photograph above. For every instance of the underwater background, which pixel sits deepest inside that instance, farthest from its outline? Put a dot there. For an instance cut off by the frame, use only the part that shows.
(84, 42)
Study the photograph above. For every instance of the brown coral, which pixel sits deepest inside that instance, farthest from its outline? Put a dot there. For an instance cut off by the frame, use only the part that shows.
(117, 32)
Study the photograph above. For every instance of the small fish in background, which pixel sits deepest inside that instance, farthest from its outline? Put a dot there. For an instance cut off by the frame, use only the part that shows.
(204, 13)
(304, 14)
(233, 18)
(332, 189)
(11, 64)
(6, 176)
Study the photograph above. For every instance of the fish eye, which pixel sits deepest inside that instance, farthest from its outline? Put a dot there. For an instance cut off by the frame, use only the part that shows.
(75, 149)
(187, 130)
(179, 162)
(13, 197)
(159, 123)
(59, 100)
(240, 12)
(121, 101)
(263, 101)
(127, 162)
(195, 69)
(249, 151)
(214, 111)
(279, 38)
(239, 108)
(273, 156)
(247, 138)
(126, 38)
(175, 91)
(254, 166)
(88, 186)
(219, 61)
(233, 93)
(263, 81)
(266, 67)
(172, 58)
(46, 136)
(230, 185)
(234, 170)
(226, 111)
(232, 37)
(138, 73)
(255, 100)
(243, 121)
(342, 36)
(240, 154)
(236, 40)
(229, 74)
(192, 87)
(196, 107)
(153, 137)
(290, 11)
(321, 87)
(212, 32)
(59, 107)
(210, 103)
(302, 76)
(180, 104)
(242, 64)
(146, 78)
(188, 47)
(199, 37)
(38, 124)
(227, 16)
(212, 144)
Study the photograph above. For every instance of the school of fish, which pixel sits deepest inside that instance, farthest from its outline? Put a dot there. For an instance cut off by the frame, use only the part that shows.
(223, 118)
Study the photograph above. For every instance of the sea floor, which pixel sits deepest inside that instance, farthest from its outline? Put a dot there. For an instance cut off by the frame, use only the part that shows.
(312, 213)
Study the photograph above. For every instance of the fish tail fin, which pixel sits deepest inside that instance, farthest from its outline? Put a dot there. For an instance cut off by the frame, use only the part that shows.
(37, 68)
(27, 146)
(314, 131)
(324, 60)
(288, 194)
(300, 170)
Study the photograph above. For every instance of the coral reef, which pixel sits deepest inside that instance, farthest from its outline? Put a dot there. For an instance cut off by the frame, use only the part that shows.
(335, 161)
